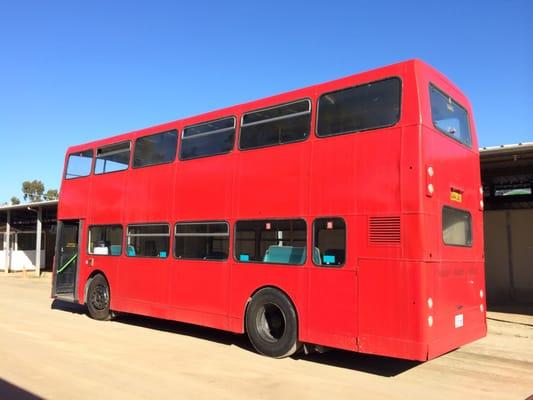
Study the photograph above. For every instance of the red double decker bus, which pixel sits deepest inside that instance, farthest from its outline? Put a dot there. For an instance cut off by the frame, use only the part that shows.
(347, 214)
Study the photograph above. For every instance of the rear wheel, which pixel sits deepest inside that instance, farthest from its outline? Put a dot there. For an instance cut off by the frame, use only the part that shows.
(99, 298)
(271, 324)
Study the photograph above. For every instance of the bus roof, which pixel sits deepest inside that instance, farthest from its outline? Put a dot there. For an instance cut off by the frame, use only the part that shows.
(396, 69)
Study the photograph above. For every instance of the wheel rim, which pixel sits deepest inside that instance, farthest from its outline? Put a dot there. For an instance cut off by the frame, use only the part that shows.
(270, 323)
(100, 297)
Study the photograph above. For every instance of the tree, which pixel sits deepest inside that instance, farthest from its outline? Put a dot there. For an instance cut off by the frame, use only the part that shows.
(51, 194)
(15, 200)
(33, 190)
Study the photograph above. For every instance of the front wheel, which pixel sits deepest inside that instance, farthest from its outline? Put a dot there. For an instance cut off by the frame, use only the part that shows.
(271, 324)
(98, 298)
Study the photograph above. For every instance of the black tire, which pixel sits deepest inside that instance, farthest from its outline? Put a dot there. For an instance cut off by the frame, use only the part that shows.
(272, 324)
(99, 298)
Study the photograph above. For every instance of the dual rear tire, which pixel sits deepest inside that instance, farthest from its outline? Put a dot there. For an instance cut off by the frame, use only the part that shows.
(272, 324)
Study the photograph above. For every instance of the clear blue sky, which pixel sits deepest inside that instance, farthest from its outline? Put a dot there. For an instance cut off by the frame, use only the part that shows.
(73, 71)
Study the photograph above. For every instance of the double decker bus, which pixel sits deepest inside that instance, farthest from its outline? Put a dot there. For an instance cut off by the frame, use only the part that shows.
(345, 215)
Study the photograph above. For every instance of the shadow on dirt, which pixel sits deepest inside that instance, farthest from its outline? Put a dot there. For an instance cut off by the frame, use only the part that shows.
(376, 365)
(13, 392)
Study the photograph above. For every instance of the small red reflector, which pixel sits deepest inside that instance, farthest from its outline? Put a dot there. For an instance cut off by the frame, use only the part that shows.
(329, 225)
(268, 226)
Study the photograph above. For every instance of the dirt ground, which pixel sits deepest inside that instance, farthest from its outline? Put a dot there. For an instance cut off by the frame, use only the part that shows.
(52, 350)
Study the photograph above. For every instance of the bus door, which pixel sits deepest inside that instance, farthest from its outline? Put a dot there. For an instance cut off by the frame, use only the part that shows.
(67, 259)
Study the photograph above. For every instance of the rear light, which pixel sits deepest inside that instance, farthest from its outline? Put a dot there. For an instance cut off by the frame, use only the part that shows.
(430, 302)
(481, 293)
(430, 321)
(481, 203)
(430, 189)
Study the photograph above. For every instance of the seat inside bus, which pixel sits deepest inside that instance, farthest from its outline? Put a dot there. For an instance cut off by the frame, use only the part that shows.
(285, 255)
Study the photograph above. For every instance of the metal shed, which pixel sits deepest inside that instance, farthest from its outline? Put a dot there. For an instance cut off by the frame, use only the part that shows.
(27, 236)
(507, 175)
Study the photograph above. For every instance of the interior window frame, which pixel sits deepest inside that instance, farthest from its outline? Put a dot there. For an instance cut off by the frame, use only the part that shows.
(109, 145)
(169, 235)
(310, 112)
(183, 138)
(207, 235)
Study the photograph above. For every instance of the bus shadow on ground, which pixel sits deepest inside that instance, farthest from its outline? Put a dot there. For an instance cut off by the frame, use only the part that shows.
(13, 392)
(522, 309)
(371, 364)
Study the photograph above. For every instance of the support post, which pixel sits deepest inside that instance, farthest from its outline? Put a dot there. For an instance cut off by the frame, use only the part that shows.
(7, 243)
(38, 241)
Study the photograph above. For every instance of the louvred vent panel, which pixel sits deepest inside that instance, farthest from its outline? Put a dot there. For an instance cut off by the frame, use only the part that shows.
(384, 230)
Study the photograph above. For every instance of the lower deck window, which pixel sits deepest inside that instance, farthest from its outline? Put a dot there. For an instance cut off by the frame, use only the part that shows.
(271, 241)
(456, 227)
(148, 240)
(202, 240)
(105, 240)
(329, 242)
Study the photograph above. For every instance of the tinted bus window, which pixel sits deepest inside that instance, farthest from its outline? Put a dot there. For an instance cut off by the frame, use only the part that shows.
(329, 242)
(148, 240)
(79, 164)
(208, 139)
(370, 106)
(105, 240)
(456, 227)
(278, 125)
(271, 241)
(202, 240)
(449, 117)
(115, 157)
(155, 149)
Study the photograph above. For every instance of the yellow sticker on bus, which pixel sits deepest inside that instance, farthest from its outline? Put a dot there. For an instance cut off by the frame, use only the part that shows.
(456, 196)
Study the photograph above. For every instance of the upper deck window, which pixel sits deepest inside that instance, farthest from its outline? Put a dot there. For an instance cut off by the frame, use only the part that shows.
(79, 164)
(115, 157)
(449, 117)
(155, 149)
(360, 108)
(208, 139)
(277, 125)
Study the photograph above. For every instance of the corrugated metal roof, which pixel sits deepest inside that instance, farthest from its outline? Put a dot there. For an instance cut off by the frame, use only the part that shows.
(36, 204)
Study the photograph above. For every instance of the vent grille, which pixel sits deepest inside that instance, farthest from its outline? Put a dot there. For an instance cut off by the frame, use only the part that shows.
(384, 230)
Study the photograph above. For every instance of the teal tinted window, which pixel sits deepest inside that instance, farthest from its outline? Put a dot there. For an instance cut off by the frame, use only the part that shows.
(271, 241)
